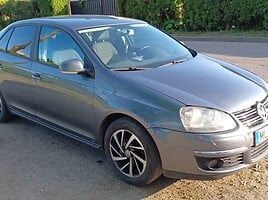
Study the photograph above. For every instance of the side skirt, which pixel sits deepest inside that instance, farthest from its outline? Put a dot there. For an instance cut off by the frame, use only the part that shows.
(54, 127)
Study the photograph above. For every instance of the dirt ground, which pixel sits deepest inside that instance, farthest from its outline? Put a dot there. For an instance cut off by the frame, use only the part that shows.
(39, 164)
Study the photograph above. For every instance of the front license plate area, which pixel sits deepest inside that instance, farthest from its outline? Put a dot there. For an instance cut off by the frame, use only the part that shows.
(260, 136)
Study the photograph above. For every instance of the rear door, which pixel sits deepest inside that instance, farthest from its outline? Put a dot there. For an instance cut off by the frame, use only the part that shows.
(62, 99)
(15, 67)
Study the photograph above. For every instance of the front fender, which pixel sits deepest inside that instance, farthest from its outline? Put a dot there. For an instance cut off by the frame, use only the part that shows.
(147, 107)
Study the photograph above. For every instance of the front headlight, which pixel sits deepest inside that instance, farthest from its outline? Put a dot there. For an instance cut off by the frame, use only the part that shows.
(204, 120)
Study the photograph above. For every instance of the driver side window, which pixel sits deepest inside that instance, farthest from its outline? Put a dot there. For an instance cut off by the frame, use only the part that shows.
(56, 46)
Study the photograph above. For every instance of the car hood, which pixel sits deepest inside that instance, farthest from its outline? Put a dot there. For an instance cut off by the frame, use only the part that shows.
(203, 82)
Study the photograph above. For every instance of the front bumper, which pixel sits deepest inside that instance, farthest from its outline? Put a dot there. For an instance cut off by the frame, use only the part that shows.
(207, 156)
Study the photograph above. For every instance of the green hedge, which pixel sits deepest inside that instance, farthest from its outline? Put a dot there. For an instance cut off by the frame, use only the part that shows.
(13, 10)
(53, 7)
(199, 15)
(224, 14)
(161, 13)
(190, 15)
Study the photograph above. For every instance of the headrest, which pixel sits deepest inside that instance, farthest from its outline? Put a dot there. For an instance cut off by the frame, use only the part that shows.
(104, 36)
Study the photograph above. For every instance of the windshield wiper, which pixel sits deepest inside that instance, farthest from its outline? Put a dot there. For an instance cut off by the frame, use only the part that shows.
(174, 62)
(129, 69)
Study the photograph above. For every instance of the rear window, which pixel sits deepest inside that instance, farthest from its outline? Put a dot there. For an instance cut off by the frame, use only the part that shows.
(21, 41)
(4, 40)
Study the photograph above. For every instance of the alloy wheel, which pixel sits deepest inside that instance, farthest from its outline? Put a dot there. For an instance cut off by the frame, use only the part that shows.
(128, 153)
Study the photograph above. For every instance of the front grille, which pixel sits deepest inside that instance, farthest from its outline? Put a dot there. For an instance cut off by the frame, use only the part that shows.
(259, 150)
(249, 117)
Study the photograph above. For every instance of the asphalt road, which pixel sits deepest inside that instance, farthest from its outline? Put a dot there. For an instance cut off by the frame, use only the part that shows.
(37, 163)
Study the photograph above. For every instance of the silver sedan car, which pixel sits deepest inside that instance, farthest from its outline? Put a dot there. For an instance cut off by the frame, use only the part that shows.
(154, 105)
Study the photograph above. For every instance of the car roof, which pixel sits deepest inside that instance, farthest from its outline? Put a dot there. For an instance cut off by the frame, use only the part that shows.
(77, 22)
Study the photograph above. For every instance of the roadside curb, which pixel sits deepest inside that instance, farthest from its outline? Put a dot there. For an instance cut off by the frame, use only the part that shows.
(223, 39)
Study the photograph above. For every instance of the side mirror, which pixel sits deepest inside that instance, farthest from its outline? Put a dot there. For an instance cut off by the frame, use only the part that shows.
(73, 66)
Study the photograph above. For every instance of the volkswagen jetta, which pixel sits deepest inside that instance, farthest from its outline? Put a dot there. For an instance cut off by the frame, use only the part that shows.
(154, 105)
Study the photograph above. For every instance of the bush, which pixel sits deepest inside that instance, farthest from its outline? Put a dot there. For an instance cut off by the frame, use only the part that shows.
(3, 2)
(121, 7)
(198, 15)
(13, 10)
(190, 15)
(161, 13)
(207, 15)
(251, 15)
(52, 7)
(59, 7)
(44, 7)
(265, 20)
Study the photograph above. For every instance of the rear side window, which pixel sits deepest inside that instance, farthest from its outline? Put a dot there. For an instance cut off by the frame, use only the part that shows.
(21, 41)
(4, 40)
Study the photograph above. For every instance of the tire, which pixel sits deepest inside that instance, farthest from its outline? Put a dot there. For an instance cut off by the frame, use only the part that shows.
(4, 112)
(131, 153)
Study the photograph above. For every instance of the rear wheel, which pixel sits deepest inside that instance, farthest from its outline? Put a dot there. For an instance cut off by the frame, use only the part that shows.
(131, 152)
(4, 113)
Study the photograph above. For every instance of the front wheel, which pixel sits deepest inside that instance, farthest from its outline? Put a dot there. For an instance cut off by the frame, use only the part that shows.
(131, 152)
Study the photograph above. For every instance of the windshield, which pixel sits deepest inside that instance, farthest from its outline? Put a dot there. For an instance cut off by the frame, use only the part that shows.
(134, 46)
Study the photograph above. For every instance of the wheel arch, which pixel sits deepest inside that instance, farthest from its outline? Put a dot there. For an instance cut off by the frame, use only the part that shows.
(115, 116)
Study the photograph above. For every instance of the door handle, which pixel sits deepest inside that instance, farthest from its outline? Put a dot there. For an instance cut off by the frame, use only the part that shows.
(37, 76)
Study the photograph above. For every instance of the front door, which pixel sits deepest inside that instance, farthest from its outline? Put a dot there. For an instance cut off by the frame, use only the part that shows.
(62, 99)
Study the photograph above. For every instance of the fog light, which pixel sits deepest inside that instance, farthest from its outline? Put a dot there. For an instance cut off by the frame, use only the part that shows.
(215, 164)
